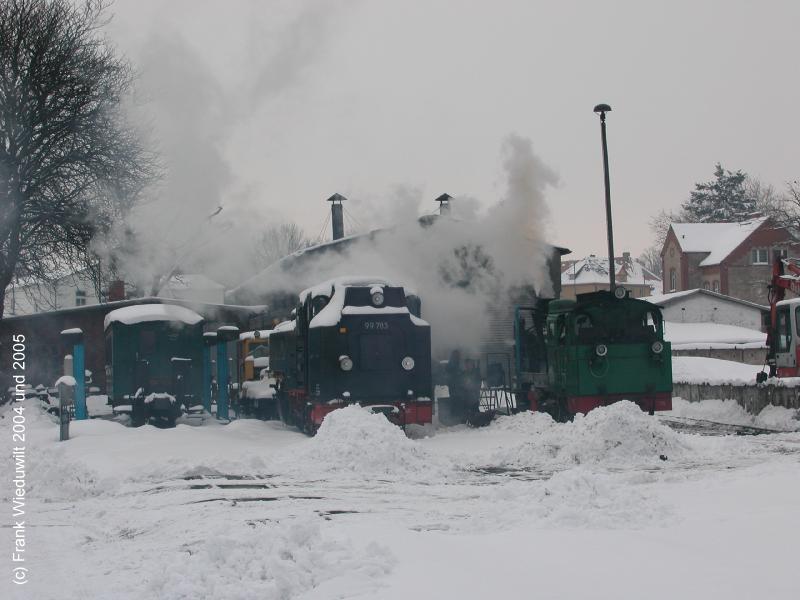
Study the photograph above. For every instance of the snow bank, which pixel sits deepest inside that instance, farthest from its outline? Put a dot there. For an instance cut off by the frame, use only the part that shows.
(618, 434)
(274, 561)
(713, 371)
(730, 412)
(353, 440)
(140, 313)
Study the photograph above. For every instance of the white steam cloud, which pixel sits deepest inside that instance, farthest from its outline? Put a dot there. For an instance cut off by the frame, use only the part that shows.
(459, 266)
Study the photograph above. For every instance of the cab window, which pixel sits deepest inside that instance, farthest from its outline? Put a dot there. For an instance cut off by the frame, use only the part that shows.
(797, 320)
(784, 331)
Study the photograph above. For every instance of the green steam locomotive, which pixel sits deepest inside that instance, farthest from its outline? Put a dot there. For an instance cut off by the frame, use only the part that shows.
(575, 355)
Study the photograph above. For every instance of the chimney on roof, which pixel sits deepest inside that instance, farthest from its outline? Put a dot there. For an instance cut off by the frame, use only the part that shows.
(444, 204)
(337, 215)
(116, 290)
(626, 256)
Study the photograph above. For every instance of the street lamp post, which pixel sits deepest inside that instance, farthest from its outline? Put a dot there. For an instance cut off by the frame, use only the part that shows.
(602, 109)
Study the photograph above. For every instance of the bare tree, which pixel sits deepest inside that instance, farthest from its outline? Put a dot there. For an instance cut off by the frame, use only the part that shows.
(278, 241)
(784, 208)
(651, 260)
(70, 165)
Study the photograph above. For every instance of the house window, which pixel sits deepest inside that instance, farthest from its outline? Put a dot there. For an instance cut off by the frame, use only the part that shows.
(673, 280)
(781, 253)
(716, 285)
(760, 256)
(706, 285)
(80, 298)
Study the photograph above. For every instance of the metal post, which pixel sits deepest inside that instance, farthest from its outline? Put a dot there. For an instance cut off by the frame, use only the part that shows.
(222, 380)
(206, 394)
(602, 109)
(79, 373)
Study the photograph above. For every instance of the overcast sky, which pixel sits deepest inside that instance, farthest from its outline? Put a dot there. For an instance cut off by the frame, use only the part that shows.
(284, 103)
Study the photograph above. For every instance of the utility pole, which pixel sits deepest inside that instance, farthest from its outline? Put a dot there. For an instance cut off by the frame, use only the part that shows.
(602, 109)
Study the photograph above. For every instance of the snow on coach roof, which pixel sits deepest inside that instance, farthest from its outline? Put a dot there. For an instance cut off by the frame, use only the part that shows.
(141, 313)
(718, 239)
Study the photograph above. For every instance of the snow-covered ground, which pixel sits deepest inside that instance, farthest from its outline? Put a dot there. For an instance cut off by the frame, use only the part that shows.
(613, 505)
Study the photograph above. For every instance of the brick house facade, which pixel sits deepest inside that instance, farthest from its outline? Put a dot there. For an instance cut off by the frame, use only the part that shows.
(729, 258)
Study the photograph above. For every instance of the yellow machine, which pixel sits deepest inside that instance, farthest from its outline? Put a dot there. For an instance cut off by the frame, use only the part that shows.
(253, 354)
(255, 388)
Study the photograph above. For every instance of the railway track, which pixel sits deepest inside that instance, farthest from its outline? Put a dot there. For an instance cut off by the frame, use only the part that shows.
(713, 428)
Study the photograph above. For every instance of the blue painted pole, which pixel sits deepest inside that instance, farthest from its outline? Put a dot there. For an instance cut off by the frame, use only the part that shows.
(79, 373)
(222, 380)
(206, 396)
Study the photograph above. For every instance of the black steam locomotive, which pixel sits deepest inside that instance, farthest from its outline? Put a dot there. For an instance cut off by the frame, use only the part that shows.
(353, 340)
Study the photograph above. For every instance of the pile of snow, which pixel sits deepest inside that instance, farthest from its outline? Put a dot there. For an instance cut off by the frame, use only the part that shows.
(354, 440)
(98, 406)
(700, 336)
(619, 434)
(274, 561)
(730, 412)
(713, 371)
(258, 389)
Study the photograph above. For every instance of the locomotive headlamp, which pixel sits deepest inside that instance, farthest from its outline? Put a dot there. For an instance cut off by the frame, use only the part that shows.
(346, 363)
(657, 347)
(407, 363)
(619, 292)
(377, 298)
(601, 350)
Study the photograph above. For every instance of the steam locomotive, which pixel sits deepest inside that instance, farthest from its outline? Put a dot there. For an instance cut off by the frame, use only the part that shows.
(353, 340)
(573, 356)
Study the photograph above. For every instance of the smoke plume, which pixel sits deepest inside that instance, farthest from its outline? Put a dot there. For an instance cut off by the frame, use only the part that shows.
(460, 266)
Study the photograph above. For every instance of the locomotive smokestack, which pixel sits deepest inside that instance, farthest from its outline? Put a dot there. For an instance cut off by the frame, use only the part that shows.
(444, 204)
(337, 215)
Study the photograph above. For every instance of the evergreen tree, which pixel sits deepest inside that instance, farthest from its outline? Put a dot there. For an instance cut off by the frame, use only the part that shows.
(725, 199)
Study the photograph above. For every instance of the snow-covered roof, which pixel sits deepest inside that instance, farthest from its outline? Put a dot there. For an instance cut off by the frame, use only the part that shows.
(664, 299)
(593, 269)
(718, 239)
(711, 335)
(152, 312)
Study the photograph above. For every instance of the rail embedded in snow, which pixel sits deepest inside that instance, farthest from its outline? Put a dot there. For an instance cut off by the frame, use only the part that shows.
(141, 313)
